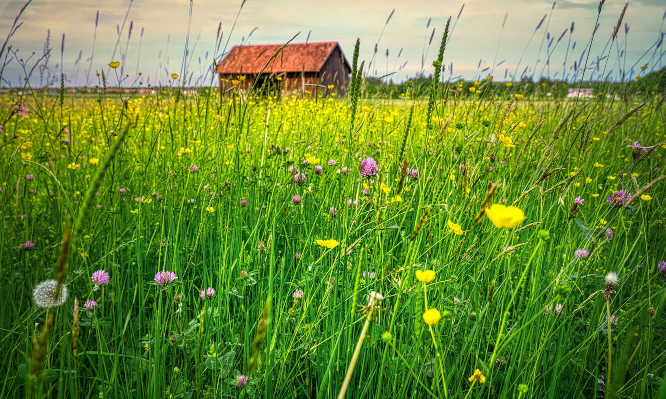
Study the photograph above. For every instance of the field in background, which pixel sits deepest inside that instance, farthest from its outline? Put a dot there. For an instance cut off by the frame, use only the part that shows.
(263, 202)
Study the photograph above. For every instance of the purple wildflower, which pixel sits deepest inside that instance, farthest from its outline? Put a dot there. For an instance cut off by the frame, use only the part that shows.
(370, 275)
(248, 150)
(331, 162)
(333, 212)
(100, 277)
(414, 173)
(193, 168)
(91, 305)
(608, 234)
(243, 203)
(662, 268)
(299, 178)
(368, 168)
(581, 253)
(30, 177)
(318, 169)
(288, 149)
(292, 169)
(298, 255)
(207, 293)
(637, 146)
(296, 199)
(298, 294)
(27, 245)
(619, 198)
(365, 191)
(578, 201)
(164, 278)
(122, 191)
(242, 380)
(345, 170)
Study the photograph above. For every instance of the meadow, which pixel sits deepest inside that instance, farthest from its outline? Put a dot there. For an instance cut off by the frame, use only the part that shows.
(488, 241)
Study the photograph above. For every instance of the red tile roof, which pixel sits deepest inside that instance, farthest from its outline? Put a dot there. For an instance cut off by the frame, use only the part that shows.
(252, 59)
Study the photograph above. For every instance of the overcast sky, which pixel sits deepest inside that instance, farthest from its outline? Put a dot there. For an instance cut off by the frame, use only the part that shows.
(159, 31)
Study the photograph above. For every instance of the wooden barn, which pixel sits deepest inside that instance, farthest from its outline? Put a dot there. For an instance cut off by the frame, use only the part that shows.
(308, 68)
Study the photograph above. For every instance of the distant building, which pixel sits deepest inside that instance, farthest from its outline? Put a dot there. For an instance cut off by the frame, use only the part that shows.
(306, 67)
(580, 93)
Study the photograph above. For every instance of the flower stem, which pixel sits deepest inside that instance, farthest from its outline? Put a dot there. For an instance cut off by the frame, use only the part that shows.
(610, 345)
(357, 351)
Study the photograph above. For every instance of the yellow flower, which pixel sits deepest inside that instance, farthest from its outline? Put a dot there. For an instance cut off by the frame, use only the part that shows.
(611, 177)
(646, 197)
(595, 195)
(174, 76)
(26, 156)
(330, 87)
(431, 316)
(472, 89)
(595, 139)
(330, 244)
(385, 189)
(505, 216)
(598, 165)
(518, 96)
(210, 209)
(114, 64)
(74, 165)
(506, 140)
(478, 375)
(397, 198)
(425, 276)
(93, 161)
(588, 180)
(509, 84)
(602, 221)
(456, 228)
(312, 160)
(135, 211)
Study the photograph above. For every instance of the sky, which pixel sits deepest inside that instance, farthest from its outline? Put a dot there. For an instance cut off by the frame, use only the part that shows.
(488, 37)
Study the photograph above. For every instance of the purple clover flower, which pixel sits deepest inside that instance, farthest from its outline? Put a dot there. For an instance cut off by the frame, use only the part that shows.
(27, 245)
(207, 293)
(122, 191)
(298, 294)
(318, 169)
(163, 278)
(368, 168)
(241, 381)
(414, 173)
(619, 198)
(29, 177)
(100, 277)
(193, 168)
(296, 199)
(331, 162)
(579, 201)
(581, 253)
(299, 178)
(90, 305)
(243, 203)
(662, 268)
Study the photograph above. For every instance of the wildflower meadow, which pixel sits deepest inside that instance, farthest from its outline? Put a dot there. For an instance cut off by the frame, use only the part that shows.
(465, 239)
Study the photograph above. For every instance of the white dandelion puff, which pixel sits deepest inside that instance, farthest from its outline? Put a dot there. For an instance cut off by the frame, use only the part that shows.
(612, 279)
(44, 294)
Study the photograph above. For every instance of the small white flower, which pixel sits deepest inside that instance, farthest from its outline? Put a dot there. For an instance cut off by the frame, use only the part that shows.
(374, 297)
(44, 294)
(612, 279)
